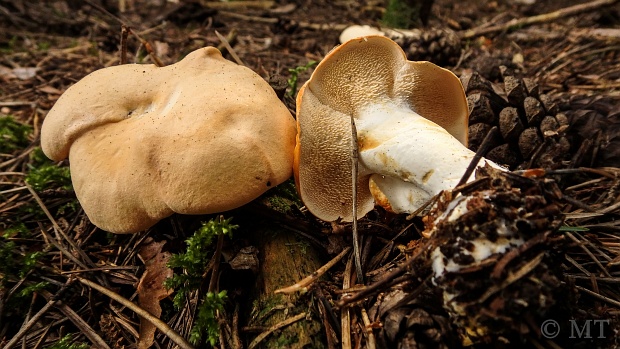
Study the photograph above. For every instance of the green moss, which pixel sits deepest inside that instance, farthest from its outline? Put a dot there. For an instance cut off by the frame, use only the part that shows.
(67, 342)
(48, 176)
(284, 340)
(18, 229)
(279, 204)
(283, 197)
(15, 264)
(43, 46)
(70, 207)
(26, 292)
(292, 81)
(44, 174)
(13, 135)
(206, 323)
(193, 263)
(399, 14)
(261, 309)
(10, 47)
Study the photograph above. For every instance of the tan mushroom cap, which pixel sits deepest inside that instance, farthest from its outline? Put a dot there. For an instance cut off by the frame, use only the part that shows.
(360, 73)
(200, 136)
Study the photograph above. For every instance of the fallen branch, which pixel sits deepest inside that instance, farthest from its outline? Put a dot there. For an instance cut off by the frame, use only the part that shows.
(543, 18)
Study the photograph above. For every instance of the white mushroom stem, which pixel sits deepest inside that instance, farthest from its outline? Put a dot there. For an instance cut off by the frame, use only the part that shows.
(411, 158)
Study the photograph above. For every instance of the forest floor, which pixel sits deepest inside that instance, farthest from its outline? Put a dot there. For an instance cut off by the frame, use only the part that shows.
(51, 255)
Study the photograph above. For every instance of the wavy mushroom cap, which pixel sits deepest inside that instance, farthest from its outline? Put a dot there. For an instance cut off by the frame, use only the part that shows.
(361, 74)
(200, 136)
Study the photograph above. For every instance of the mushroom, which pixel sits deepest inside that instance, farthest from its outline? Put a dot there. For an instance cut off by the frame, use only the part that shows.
(357, 31)
(200, 136)
(411, 120)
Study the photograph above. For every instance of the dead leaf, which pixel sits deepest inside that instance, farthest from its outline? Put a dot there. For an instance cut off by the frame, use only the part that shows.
(151, 286)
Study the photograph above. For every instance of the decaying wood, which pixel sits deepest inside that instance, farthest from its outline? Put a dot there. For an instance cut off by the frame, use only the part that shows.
(302, 285)
(285, 258)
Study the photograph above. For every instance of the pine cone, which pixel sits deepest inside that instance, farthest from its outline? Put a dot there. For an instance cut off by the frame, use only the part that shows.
(440, 46)
(531, 126)
(595, 130)
(111, 333)
(494, 258)
(419, 323)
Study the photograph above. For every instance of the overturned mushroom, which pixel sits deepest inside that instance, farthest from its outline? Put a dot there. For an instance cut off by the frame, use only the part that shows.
(411, 120)
(200, 136)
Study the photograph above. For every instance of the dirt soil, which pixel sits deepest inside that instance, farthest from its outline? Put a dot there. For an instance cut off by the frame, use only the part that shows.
(47, 46)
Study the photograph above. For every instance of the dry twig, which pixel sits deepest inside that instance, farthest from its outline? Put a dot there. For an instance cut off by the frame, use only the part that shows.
(303, 285)
(543, 18)
(229, 48)
(162, 326)
(275, 327)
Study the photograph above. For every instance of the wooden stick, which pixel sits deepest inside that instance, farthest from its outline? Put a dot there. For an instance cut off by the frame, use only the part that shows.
(543, 18)
(371, 343)
(354, 171)
(599, 296)
(124, 35)
(345, 315)
(229, 48)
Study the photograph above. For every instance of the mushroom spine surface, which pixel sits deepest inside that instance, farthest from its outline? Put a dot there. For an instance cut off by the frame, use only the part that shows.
(411, 120)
